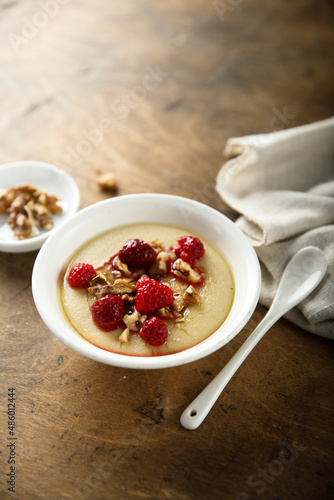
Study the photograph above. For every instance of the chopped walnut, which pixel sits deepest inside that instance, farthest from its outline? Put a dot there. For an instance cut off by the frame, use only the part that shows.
(178, 303)
(191, 296)
(28, 209)
(21, 227)
(165, 312)
(134, 321)
(99, 279)
(159, 266)
(49, 202)
(120, 287)
(118, 264)
(184, 270)
(109, 275)
(157, 245)
(106, 275)
(129, 299)
(125, 336)
(177, 286)
(125, 285)
(39, 215)
(101, 290)
(17, 204)
(107, 182)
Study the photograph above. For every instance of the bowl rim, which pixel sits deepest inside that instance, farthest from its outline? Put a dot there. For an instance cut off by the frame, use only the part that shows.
(35, 243)
(74, 340)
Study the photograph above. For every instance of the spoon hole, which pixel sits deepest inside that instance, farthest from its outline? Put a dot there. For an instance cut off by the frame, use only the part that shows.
(193, 413)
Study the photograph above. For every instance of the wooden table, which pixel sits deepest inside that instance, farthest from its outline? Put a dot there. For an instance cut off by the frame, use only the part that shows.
(151, 91)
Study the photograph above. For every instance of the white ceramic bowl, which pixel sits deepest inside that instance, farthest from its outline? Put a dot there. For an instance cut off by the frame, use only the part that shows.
(45, 177)
(167, 209)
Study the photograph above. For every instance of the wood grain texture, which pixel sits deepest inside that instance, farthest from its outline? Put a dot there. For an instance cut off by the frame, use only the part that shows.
(77, 90)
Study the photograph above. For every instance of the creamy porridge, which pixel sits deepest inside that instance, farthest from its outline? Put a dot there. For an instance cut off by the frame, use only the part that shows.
(192, 294)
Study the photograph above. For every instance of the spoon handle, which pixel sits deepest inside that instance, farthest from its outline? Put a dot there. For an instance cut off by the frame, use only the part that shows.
(301, 276)
(196, 412)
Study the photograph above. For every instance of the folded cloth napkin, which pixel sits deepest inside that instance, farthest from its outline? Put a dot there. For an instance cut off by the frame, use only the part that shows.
(282, 186)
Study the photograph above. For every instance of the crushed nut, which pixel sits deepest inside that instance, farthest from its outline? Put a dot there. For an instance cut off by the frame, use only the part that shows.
(4, 203)
(157, 245)
(159, 266)
(28, 209)
(125, 285)
(125, 336)
(49, 202)
(184, 270)
(21, 227)
(101, 290)
(118, 264)
(38, 215)
(99, 279)
(129, 299)
(178, 303)
(177, 286)
(106, 273)
(165, 312)
(191, 296)
(134, 321)
(119, 288)
(107, 182)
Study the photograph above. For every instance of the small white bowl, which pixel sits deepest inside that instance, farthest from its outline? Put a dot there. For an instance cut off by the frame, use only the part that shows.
(45, 177)
(158, 208)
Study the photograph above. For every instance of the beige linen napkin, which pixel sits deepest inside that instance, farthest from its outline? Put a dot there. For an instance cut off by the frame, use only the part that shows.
(282, 185)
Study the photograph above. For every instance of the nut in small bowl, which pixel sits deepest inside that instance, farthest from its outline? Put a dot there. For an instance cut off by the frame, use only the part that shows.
(162, 210)
(35, 199)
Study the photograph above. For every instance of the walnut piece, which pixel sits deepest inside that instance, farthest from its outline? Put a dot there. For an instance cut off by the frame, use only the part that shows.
(118, 264)
(124, 336)
(129, 299)
(120, 287)
(99, 279)
(184, 270)
(21, 227)
(159, 266)
(165, 312)
(49, 202)
(191, 296)
(107, 182)
(134, 321)
(178, 303)
(125, 285)
(157, 245)
(28, 210)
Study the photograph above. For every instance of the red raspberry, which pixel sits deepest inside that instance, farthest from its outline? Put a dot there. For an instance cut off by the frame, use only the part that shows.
(152, 295)
(108, 312)
(137, 253)
(189, 249)
(154, 331)
(80, 275)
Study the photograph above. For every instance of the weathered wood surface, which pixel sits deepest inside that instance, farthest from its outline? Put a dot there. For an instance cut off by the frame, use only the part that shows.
(77, 90)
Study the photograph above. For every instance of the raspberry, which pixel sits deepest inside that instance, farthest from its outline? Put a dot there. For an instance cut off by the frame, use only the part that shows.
(137, 253)
(154, 331)
(189, 249)
(152, 295)
(80, 275)
(108, 312)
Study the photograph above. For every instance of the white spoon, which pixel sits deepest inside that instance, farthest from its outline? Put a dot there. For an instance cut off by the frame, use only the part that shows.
(301, 276)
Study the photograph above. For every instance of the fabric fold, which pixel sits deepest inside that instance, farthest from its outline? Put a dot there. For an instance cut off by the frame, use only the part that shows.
(282, 186)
